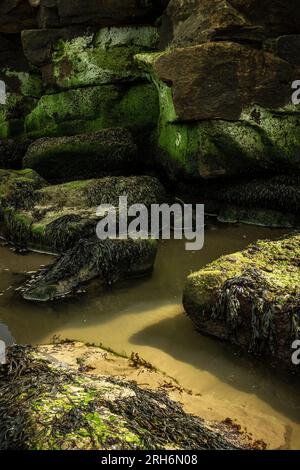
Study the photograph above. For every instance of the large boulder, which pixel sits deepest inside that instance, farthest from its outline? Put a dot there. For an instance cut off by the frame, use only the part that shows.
(258, 139)
(251, 299)
(217, 80)
(53, 218)
(190, 22)
(73, 57)
(80, 411)
(90, 109)
(106, 152)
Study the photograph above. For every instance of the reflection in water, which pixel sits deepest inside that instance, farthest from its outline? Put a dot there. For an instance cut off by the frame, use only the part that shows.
(146, 316)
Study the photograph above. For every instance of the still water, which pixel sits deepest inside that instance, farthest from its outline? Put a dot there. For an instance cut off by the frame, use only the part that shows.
(146, 316)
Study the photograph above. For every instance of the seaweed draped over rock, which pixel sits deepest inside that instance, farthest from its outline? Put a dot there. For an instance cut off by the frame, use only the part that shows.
(108, 260)
(46, 405)
(53, 218)
(251, 299)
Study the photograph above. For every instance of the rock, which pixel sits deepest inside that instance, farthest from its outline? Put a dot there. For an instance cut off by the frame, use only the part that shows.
(189, 21)
(91, 412)
(218, 80)
(90, 109)
(106, 152)
(286, 47)
(16, 15)
(108, 260)
(269, 201)
(55, 13)
(259, 140)
(12, 152)
(12, 114)
(54, 218)
(217, 20)
(99, 58)
(251, 299)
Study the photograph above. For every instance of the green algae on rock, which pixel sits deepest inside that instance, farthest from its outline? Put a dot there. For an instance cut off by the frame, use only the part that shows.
(90, 109)
(251, 299)
(47, 405)
(260, 140)
(106, 152)
(53, 218)
(99, 58)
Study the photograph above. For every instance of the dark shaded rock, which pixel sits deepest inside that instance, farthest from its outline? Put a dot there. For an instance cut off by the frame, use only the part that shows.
(190, 22)
(47, 405)
(16, 15)
(38, 43)
(251, 299)
(107, 260)
(217, 80)
(55, 13)
(110, 151)
(12, 152)
(286, 47)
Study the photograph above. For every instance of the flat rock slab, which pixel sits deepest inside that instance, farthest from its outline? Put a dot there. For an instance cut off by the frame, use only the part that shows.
(251, 299)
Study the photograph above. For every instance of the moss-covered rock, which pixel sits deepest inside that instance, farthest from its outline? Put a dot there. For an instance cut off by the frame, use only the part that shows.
(47, 405)
(251, 298)
(99, 58)
(90, 109)
(12, 114)
(110, 151)
(260, 140)
(54, 218)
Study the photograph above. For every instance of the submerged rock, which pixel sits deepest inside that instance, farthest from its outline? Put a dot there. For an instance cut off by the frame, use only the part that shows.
(109, 261)
(251, 299)
(53, 218)
(47, 405)
(110, 151)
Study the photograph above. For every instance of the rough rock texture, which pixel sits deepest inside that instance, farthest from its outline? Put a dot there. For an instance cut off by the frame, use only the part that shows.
(107, 152)
(16, 15)
(190, 22)
(54, 13)
(90, 109)
(47, 405)
(74, 57)
(218, 80)
(260, 140)
(54, 218)
(251, 299)
(108, 261)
